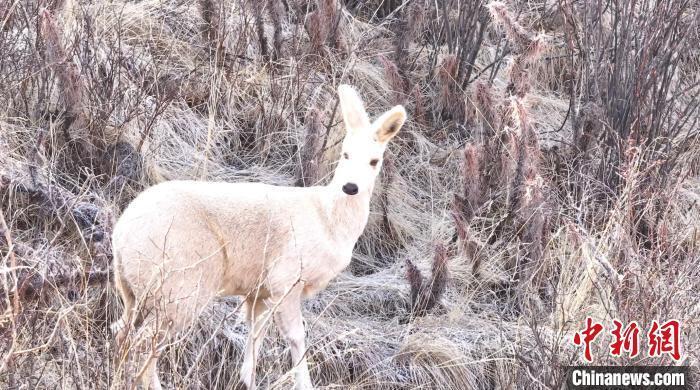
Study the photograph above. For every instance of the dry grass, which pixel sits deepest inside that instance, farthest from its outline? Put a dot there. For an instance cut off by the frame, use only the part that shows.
(539, 180)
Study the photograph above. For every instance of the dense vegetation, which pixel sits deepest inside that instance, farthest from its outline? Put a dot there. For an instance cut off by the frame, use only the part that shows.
(549, 172)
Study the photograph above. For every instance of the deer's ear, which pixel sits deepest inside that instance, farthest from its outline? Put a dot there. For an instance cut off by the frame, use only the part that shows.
(354, 114)
(389, 124)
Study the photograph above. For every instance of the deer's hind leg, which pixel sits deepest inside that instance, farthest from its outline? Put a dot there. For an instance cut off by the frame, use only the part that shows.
(120, 328)
(142, 339)
(148, 375)
(150, 340)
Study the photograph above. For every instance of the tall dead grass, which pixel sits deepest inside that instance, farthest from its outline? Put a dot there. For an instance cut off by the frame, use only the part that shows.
(549, 172)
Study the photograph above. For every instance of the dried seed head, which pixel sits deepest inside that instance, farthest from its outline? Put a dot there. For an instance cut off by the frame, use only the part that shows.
(515, 33)
(472, 176)
(394, 79)
(486, 110)
(311, 149)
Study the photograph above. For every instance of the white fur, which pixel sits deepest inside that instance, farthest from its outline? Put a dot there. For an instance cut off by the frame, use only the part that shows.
(180, 244)
(117, 325)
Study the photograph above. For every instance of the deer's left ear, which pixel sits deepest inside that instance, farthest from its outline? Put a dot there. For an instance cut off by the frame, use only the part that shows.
(354, 114)
(389, 124)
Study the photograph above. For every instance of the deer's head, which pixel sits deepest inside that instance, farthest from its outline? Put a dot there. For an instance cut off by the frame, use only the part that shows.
(364, 144)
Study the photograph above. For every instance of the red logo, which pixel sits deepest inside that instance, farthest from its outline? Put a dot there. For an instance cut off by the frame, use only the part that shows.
(627, 340)
(665, 339)
(662, 339)
(589, 334)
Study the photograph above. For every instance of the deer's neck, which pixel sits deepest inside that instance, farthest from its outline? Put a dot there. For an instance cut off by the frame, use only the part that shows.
(348, 214)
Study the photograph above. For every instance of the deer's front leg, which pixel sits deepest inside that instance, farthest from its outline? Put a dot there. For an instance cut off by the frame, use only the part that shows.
(291, 325)
(258, 320)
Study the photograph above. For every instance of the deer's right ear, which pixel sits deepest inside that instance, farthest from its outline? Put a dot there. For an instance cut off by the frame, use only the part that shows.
(354, 114)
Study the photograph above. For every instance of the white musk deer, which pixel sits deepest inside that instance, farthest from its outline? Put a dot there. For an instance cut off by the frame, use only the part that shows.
(180, 244)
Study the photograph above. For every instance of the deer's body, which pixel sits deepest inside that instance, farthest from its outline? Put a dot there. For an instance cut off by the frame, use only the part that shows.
(200, 239)
(180, 244)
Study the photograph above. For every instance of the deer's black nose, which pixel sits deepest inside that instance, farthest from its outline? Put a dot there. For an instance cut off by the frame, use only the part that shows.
(350, 188)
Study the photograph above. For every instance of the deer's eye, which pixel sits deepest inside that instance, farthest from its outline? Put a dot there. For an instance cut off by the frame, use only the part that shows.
(374, 162)
(346, 156)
